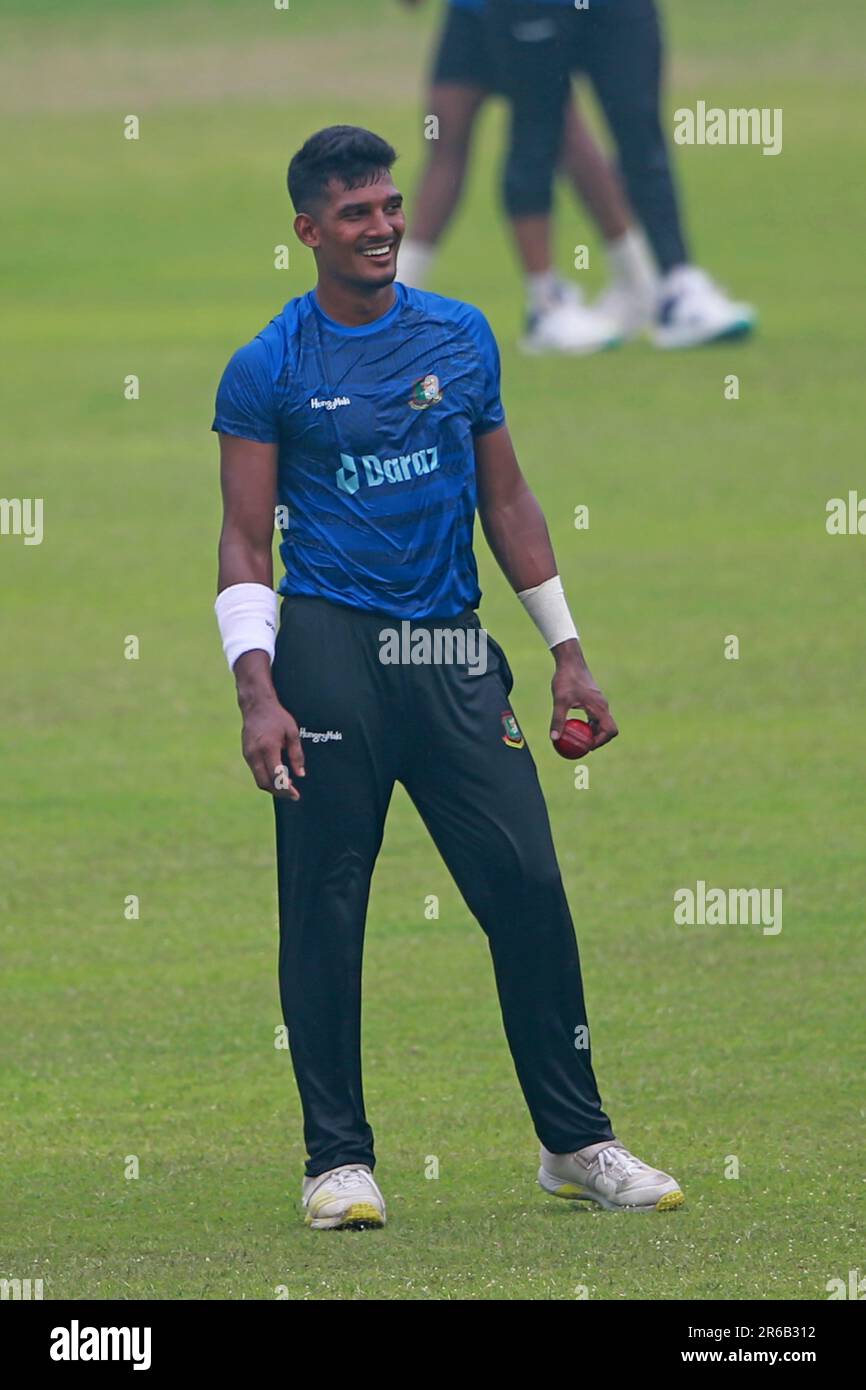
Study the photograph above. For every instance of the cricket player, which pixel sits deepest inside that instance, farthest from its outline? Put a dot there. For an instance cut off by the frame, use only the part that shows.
(371, 413)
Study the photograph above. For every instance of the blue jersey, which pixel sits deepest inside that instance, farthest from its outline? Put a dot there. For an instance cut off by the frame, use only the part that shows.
(375, 426)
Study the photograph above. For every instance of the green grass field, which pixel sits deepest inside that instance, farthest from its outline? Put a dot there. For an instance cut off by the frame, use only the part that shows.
(155, 1037)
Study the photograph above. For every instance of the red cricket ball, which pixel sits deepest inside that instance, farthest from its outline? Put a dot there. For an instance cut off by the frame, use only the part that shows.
(576, 739)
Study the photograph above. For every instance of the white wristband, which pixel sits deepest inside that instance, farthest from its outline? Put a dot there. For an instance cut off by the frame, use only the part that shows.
(247, 617)
(548, 609)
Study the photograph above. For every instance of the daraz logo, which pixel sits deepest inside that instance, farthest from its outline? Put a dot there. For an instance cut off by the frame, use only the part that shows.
(376, 471)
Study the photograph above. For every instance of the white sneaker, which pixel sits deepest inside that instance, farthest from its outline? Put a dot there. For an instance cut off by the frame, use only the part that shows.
(630, 297)
(567, 292)
(567, 325)
(608, 1174)
(692, 310)
(343, 1198)
(630, 308)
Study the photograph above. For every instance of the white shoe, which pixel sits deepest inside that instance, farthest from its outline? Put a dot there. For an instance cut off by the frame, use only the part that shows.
(567, 325)
(630, 297)
(343, 1198)
(692, 310)
(567, 292)
(630, 308)
(608, 1174)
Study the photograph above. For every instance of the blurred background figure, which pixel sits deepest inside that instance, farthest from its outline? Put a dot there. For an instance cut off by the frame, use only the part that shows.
(535, 46)
(527, 51)
(462, 77)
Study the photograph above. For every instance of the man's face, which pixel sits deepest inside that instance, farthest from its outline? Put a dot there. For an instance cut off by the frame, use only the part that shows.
(357, 232)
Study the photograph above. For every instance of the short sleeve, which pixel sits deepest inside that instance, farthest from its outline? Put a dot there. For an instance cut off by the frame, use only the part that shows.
(490, 414)
(245, 398)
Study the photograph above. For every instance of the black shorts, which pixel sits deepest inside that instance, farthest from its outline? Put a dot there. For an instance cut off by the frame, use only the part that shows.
(463, 56)
(530, 45)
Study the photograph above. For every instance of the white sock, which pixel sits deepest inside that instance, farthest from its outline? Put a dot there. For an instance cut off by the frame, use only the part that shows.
(541, 290)
(630, 261)
(414, 260)
(678, 273)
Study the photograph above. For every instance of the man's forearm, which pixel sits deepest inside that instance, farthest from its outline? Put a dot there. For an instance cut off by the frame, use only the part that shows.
(253, 679)
(241, 562)
(517, 533)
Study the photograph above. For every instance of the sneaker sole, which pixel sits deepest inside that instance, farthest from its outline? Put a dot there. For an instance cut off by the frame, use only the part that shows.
(741, 329)
(573, 1192)
(360, 1216)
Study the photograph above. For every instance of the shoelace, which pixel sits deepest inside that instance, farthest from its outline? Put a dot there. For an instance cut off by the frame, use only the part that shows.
(619, 1161)
(349, 1178)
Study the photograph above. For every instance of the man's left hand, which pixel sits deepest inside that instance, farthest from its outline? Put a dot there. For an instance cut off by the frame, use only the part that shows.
(573, 687)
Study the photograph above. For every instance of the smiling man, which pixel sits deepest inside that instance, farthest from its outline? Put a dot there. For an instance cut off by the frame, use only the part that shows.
(371, 413)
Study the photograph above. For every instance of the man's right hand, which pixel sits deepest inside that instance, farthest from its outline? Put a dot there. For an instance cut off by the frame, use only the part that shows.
(269, 733)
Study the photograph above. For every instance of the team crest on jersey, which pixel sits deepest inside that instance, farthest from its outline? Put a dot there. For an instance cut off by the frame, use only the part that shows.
(425, 391)
(511, 735)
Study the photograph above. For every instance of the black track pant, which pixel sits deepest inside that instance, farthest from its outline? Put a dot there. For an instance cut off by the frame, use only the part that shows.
(438, 729)
(618, 44)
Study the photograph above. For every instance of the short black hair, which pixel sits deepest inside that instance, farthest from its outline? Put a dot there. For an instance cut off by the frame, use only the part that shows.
(348, 153)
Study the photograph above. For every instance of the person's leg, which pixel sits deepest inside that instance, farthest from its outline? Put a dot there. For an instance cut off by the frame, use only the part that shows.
(438, 193)
(620, 47)
(628, 300)
(474, 783)
(526, 52)
(459, 85)
(592, 175)
(533, 71)
(529, 64)
(327, 843)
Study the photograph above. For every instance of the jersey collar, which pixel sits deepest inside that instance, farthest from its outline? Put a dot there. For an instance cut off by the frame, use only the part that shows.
(363, 329)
